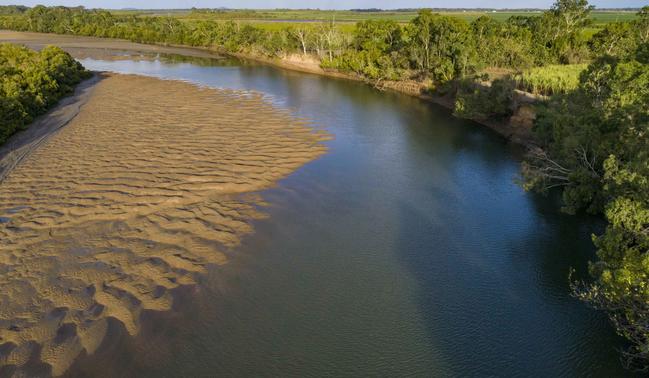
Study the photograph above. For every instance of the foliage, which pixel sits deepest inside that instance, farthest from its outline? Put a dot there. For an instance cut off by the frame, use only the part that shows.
(13, 9)
(616, 39)
(377, 52)
(31, 82)
(481, 101)
(596, 147)
(503, 44)
(440, 47)
(550, 80)
(622, 39)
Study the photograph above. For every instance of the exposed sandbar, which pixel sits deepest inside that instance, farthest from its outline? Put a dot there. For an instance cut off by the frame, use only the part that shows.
(151, 181)
(80, 46)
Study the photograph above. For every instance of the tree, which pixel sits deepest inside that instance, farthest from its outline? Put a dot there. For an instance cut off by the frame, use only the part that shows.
(596, 148)
(302, 34)
(582, 129)
(615, 39)
(502, 44)
(441, 45)
(570, 15)
(642, 25)
(558, 31)
(32, 82)
(329, 39)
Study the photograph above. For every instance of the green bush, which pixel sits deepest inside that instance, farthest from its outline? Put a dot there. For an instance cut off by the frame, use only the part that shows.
(483, 102)
(32, 82)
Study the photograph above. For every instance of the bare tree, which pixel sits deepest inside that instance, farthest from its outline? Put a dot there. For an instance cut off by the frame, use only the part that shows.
(328, 39)
(544, 172)
(302, 35)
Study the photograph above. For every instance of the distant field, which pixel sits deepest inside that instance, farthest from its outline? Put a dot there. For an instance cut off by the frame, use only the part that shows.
(599, 17)
(346, 16)
(346, 20)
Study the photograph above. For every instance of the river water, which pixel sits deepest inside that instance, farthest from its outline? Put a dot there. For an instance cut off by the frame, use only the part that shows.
(408, 249)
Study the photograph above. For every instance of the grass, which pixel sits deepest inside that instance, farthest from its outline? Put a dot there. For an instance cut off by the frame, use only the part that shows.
(275, 19)
(346, 20)
(599, 18)
(550, 80)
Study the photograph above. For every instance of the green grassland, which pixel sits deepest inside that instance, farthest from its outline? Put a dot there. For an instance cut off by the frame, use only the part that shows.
(310, 15)
(276, 19)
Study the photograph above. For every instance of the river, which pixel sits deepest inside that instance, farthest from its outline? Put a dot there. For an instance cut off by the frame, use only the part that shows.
(407, 250)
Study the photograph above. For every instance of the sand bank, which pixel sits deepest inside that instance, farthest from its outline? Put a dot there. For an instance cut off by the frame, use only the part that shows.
(80, 46)
(148, 184)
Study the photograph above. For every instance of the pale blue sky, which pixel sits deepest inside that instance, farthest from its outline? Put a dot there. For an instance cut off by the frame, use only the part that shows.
(324, 4)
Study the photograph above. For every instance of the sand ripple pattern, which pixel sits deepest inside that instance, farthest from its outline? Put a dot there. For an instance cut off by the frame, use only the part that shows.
(153, 180)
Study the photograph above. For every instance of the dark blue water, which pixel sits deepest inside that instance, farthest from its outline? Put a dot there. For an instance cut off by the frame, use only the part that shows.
(407, 250)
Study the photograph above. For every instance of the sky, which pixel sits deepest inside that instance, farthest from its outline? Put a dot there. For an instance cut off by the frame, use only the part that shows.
(323, 4)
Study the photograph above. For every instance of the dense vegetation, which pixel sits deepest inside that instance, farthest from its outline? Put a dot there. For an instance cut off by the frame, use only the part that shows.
(481, 101)
(593, 129)
(430, 45)
(596, 148)
(31, 82)
(13, 9)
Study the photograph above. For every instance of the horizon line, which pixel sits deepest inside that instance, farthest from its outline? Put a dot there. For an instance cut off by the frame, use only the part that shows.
(369, 10)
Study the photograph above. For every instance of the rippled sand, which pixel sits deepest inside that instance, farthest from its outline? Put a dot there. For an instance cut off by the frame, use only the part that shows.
(150, 182)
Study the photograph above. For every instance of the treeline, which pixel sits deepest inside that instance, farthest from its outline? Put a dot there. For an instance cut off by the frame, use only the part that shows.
(32, 82)
(431, 45)
(13, 9)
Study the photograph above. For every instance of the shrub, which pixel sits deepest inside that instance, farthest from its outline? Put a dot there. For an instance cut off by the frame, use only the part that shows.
(482, 102)
(31, 82)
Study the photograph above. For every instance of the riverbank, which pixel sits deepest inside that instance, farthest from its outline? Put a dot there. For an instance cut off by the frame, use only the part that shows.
(134, 193)
(517, 129)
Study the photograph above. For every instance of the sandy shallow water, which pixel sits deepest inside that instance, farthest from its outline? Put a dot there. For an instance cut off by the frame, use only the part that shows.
(152, 181)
